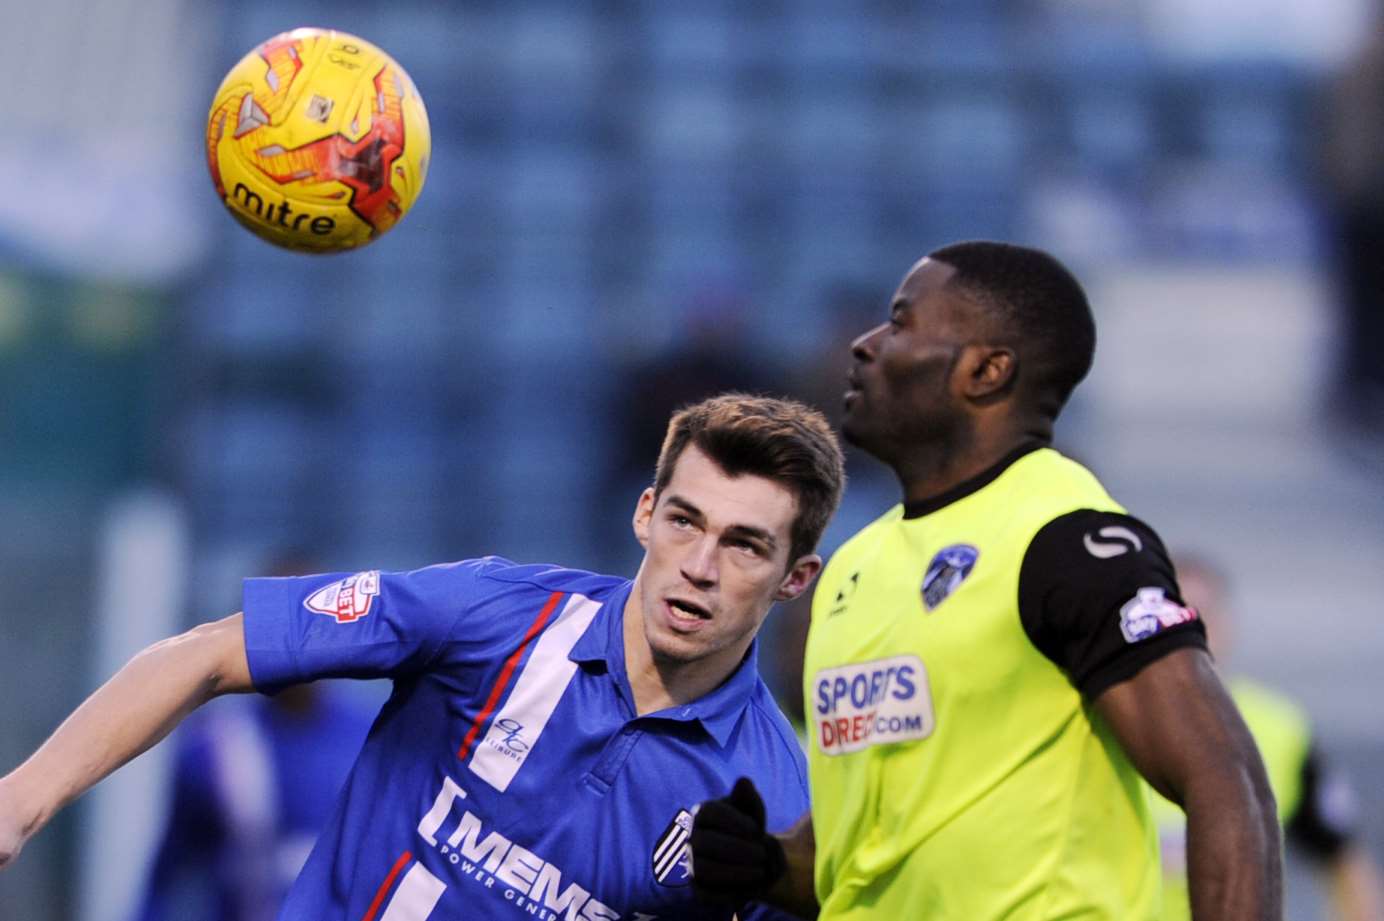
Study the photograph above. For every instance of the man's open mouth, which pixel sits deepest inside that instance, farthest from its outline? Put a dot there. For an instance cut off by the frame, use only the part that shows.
(688, 609)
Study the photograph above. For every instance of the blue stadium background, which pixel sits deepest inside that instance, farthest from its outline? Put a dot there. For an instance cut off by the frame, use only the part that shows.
(625, 197)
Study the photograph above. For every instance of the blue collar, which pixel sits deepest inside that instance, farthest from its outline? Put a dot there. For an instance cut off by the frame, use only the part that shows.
(718, 712)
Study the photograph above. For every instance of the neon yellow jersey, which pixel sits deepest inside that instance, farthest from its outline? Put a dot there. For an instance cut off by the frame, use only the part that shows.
(957, 772)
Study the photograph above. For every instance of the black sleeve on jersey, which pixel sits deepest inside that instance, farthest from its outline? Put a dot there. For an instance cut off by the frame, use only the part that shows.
(1326, 817)
(1078, 573)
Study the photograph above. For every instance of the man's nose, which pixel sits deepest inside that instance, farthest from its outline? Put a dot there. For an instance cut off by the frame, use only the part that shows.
(863, 348)
(699, 566)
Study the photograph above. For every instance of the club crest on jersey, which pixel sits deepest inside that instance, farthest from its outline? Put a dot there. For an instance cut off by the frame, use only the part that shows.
(672, 856)
(948, 569)
(1151, 612)
(348, 600)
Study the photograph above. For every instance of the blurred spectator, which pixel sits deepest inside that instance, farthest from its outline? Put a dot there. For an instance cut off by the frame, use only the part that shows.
(254, 781)
(708, 354)
(1354, 170)
(1316, 804)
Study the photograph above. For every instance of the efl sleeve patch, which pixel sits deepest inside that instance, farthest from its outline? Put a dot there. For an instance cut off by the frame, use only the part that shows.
(1150, 612)
(348, 600)
(367, 624)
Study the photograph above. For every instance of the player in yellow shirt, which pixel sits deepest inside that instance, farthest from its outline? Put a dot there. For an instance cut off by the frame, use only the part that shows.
(1317, 806)
(994, 662)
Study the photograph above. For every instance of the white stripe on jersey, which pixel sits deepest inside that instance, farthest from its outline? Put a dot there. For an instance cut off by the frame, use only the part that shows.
(540, 685)
(416, 896)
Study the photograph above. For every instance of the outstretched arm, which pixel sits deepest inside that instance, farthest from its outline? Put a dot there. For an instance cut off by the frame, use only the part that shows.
(1185, 735)
(128, 714)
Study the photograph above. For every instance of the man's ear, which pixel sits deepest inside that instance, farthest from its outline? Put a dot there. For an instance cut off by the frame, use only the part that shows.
(799, 577)
(987, 371)
(643, 515)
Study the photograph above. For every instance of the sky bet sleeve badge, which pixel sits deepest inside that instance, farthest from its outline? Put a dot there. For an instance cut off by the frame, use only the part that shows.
(347, 600)
(948, 569)
(1150, 612)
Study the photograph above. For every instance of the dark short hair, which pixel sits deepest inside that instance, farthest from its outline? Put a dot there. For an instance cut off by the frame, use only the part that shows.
(1039, 302)
(778, 439)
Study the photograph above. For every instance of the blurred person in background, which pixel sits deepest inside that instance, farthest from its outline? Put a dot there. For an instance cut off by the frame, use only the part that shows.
(254, 782)
(1316, 804)
(708, 354)
(994, 662)
(1354, 171)
(549, 729)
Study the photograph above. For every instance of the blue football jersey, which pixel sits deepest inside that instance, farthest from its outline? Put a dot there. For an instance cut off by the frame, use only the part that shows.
(508, 776)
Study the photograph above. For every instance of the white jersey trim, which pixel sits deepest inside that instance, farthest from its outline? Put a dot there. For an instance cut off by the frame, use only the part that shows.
(540, 685)
(416, 896)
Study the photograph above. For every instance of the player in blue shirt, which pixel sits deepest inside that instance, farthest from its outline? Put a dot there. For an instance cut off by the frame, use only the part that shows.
(254, 782)
(549, 729)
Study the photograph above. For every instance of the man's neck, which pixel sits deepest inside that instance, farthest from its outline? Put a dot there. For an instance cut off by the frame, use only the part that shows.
(931, 472)
(658, 684)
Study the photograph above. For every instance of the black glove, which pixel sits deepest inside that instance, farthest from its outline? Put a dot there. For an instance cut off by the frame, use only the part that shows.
(734, 860)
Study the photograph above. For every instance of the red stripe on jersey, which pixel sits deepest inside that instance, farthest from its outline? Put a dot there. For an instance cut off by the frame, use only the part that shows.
(506, 673)
(404, 858)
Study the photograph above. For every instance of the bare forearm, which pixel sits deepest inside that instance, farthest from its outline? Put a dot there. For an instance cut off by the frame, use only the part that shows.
(131, 712)
(1234, 851)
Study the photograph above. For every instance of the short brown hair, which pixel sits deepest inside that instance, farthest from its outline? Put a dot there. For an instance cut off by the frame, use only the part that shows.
(779, 439)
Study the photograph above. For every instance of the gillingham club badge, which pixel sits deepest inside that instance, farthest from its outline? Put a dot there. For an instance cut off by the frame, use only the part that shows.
(672, 857)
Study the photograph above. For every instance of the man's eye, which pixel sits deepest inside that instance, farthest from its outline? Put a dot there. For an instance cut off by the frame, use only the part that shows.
(681, 521)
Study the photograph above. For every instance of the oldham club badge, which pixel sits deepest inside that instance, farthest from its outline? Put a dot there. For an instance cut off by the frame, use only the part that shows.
(948, 569)
(672, 856)
(348, 600)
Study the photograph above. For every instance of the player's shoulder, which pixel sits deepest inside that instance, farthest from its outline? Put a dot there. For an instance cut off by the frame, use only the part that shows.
(499, 596)
(778, 749)
(1080, 537)
(865, 541)
(1051, 483)
(1095, 549)
(546, 577)
(771, 723)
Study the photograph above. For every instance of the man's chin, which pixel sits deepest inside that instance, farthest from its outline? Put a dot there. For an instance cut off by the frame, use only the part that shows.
(853, 431)
(669, 646)
(673, 651)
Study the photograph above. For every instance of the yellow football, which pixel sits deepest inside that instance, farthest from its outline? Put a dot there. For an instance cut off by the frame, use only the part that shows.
(318, 141)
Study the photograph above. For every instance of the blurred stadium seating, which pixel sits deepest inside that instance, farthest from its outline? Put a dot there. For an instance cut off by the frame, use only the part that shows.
(450, 391)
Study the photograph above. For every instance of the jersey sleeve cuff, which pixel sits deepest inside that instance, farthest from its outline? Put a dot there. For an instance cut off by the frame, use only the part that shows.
(1137, 657)
(268, 646)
